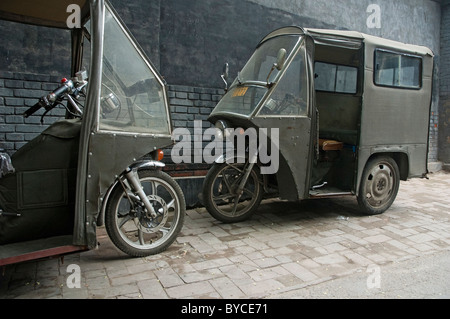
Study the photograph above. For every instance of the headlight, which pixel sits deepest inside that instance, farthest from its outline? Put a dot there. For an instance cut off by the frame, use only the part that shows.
(221, 126)
(110, 103)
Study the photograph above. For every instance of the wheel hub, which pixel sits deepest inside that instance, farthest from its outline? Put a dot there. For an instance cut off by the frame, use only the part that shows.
(380, 185)
(148, 224)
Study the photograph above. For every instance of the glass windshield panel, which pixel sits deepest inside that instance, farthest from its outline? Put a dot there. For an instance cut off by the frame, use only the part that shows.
(241, 99)
(244, 97)
(289, 98)
(261, 62)
(132, 98)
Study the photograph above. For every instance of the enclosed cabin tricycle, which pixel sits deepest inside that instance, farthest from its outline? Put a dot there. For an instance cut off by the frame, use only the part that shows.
(101, 163)
(343, 113)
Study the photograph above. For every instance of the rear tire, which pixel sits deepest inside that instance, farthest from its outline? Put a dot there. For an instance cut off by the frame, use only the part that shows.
(380, 183)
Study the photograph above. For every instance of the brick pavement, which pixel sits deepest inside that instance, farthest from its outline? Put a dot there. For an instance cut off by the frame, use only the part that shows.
(285, 247)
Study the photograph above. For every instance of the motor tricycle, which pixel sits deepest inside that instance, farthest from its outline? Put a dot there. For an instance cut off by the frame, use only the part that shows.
(341, 114)
(101, 164)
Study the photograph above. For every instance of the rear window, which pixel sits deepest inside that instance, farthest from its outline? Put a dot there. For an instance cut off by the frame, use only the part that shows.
(398, 70)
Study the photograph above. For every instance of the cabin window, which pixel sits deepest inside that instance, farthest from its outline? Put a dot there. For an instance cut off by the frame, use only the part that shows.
(398, 70)
(133, 97)
(335, 78)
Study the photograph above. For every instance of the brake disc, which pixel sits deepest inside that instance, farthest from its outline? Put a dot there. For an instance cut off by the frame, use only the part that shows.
(149, 224)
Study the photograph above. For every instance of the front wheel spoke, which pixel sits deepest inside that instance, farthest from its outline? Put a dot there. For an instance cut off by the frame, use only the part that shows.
(171, 204)
(236, 168)
(152, 187)
(141, 237)
(236, 203)
(165, 230)
(248, 191)
(227, 182)
(124, 220)
(223, 197)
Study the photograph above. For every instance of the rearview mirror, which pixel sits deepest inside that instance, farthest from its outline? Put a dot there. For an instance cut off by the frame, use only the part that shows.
(225, 71)
(225, 75)
(281, 59)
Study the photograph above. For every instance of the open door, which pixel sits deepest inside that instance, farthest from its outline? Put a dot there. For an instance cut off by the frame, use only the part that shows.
(292, 112)
(127, 115)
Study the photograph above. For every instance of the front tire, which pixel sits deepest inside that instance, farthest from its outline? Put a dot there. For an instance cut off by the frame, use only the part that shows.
(380, 183)
(219, 192)
(132, 230)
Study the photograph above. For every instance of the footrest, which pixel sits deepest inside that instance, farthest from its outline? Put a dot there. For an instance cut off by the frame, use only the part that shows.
(2, 213)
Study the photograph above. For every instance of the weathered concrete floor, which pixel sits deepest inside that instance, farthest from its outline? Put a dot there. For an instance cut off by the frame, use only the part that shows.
(314, 249)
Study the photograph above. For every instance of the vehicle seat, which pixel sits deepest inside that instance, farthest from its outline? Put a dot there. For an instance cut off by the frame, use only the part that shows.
(330, 145)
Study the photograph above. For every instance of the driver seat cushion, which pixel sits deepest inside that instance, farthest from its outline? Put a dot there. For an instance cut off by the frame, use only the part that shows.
(330, 145)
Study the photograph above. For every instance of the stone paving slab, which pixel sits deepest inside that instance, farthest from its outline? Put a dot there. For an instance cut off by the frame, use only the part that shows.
(284, 247)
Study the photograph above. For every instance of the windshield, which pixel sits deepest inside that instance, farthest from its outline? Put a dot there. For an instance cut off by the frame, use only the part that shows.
(251, 85)
(133, 98)
(260, 64)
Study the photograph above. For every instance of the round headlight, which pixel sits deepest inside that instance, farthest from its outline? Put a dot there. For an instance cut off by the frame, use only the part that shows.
(220, 129)
(221, 125)
(219, 134)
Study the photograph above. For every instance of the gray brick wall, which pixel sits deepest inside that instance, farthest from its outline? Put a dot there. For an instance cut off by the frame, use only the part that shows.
(18, 92)
(433, 144)
(189, 105)
(444, 87)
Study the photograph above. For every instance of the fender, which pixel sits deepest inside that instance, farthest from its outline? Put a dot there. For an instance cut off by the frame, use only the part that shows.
(149, 164)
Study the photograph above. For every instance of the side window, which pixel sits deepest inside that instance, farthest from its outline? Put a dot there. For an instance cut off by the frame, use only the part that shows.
(398, 70)
(133, 98)
(336, 78)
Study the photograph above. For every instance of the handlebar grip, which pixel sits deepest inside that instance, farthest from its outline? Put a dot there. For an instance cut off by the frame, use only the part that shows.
(34, 108)
(60, 91)
(46, 102)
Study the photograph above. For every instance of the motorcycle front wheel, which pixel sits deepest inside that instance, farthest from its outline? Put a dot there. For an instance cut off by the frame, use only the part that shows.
(220, 197)
(132, 229)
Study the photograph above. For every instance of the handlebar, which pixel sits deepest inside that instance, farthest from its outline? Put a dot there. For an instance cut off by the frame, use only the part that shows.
(49, 102)
(43, 102)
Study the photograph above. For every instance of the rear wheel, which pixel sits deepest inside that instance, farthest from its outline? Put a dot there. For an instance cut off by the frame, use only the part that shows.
(220, 192)
(380, 182)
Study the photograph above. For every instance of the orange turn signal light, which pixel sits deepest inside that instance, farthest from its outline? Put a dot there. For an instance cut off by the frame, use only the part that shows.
(160, 155)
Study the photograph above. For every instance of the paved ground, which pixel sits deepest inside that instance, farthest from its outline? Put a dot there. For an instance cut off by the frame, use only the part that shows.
(313, 249)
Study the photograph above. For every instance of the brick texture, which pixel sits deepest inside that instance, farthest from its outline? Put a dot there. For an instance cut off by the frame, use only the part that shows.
(18, 92)
(444, 87)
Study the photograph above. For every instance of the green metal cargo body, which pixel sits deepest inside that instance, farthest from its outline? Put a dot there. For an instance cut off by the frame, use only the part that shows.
(385, 117)
(351, 112)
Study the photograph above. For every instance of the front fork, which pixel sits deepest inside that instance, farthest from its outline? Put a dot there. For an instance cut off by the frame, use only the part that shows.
(247, 171)
(133, 180)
